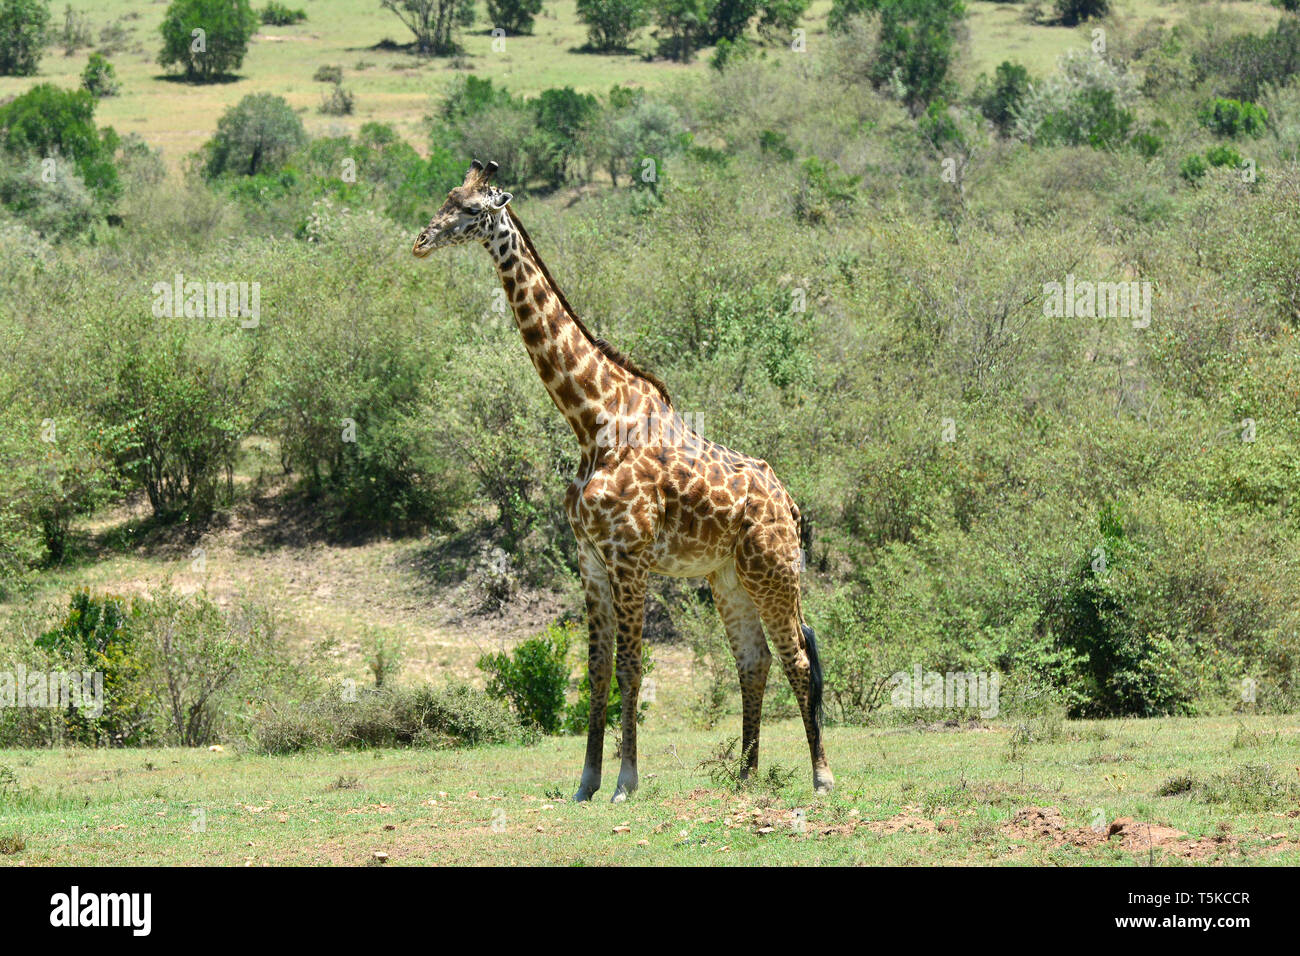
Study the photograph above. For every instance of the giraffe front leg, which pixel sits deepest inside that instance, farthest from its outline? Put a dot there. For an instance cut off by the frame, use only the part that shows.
(628, 584)
(600, 660)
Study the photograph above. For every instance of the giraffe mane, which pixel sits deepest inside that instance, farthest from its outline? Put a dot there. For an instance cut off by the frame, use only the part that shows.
(611, 353)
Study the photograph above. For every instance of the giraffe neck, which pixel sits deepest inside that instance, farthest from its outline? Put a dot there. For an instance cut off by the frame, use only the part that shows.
(587, 386)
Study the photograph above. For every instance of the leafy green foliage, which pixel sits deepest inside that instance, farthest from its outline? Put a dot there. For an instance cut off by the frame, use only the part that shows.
(1231, 118)
(254, 136)
(223, 27)
(99, 78)
(24, 31)
(613, 24)
(47, 121)
(533, 677)
(281, 15)
(514, 16)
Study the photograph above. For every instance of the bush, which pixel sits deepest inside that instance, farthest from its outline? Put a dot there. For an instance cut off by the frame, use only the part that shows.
(24, 33)
(328, 74)
(453, 716)
(254, 136)
(1223, 156)
(339, 101)
(1073, 12)
(916, 47)
(613, 24)
(1232, 118)
(562, 117)
(225, 28)
(50, 197)
(682, 28)
(98, 633)
(513, 16)
(533, 677)
(202, 663)
(1000, 100)
(279, 15)
(1193, 168)
(47, 121)
(99, 78)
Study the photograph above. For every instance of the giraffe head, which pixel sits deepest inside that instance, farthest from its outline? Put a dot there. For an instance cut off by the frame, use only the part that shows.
(468, 213)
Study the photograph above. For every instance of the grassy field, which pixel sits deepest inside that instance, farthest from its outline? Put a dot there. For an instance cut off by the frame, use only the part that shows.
(395, 87)
(1085, 792)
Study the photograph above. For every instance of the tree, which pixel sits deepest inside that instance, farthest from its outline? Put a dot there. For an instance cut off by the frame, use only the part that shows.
(46, 122)
(435, 23)
(206, 38)
(99, 79)
(1000, 100)
(682, 28)
(513, 16)
(562, 117)
(917, 45)
(1073, 12)
(613, 24)
(24, 26)
(254, 136)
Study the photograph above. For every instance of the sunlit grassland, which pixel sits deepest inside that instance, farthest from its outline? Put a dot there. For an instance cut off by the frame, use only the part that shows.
(903, 796)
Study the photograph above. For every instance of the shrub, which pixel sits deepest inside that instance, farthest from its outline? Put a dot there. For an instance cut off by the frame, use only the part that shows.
(254, 136)
(200, 661)
(49, 196)
(682, 28)
(24, 32)
(562, 117)
(1223, 156)
(533, 677)
(98, 634)
(630, 130)
(176, 410)
(339, 101)
(328, 74)
(225, 27)
(279, 15)
(613, 24)
(1193, 168)
(1000, 100)
(47, 121)
(1232, 118)
(453, 716)
(1073, 12)
(99, 78)
(513, 16)
(915, 44)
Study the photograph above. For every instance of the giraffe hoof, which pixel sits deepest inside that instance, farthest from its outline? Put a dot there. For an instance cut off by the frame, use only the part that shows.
(582, 796)
(823, 782)
(620, 796)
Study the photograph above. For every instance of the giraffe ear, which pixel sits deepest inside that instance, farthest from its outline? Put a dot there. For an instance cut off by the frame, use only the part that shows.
(499, 200)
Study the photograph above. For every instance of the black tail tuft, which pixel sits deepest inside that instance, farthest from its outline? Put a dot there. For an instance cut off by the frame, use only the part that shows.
(814, 677)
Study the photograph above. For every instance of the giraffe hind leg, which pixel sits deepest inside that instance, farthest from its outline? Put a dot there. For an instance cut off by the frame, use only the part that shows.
(744, 629)
(771, 577)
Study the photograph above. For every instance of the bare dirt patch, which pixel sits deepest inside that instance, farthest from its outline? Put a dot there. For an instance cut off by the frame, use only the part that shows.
(1046, 825)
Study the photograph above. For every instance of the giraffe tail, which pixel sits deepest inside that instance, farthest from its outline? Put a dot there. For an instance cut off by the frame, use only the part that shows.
(815, 679)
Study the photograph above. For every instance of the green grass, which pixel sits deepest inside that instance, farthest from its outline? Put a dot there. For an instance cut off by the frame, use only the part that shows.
(902, 797)
(396, 87)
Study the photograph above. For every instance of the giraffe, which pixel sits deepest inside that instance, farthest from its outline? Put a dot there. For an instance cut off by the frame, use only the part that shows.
(650, 496)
